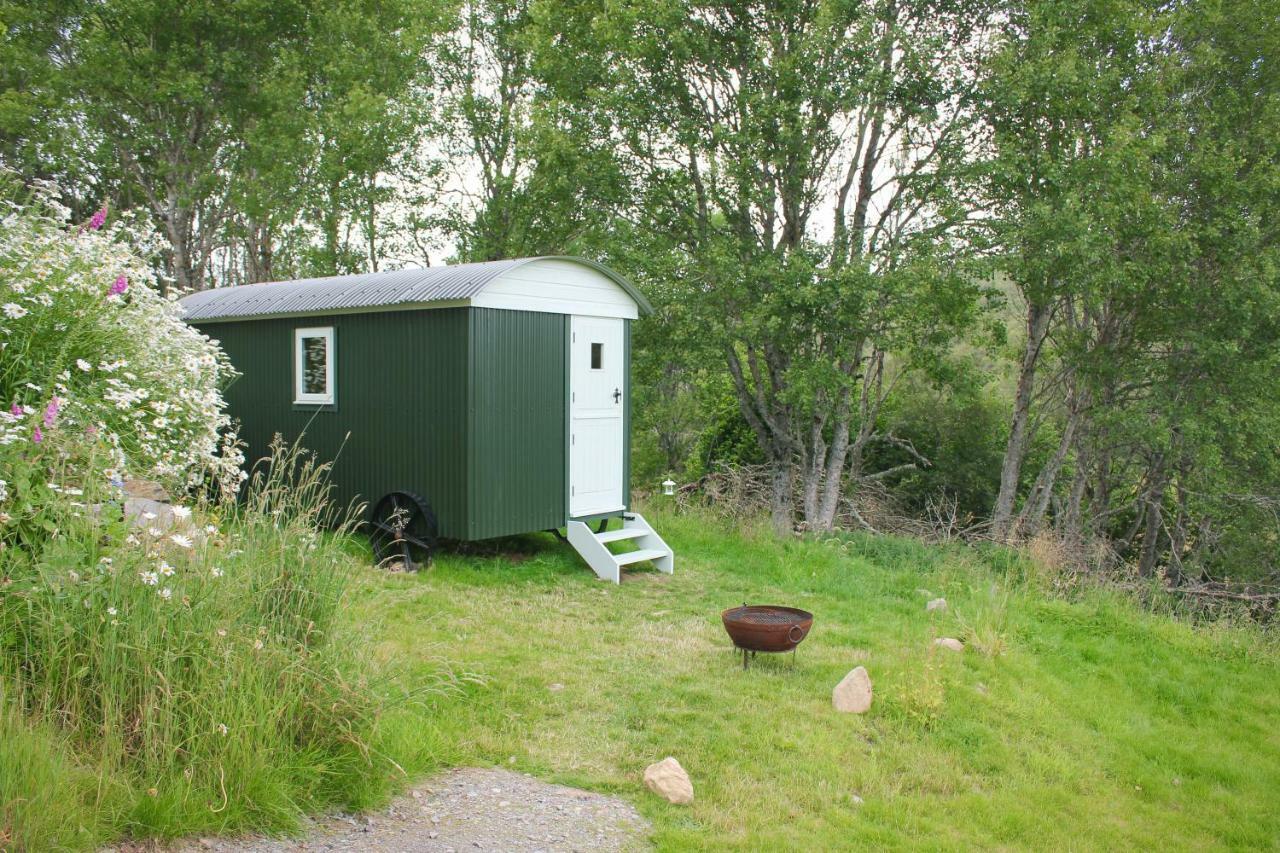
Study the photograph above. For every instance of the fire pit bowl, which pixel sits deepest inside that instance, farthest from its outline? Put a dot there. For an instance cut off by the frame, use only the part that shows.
(766, 627)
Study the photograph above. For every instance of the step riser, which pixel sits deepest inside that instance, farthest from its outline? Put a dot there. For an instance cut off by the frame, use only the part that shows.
(620, 535)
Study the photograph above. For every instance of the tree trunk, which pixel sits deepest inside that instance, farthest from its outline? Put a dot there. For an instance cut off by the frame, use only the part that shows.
(1072, 526)
(833, 488)
(1019, 436)
(781, 498)
(1151, 533)
(259, 253)
(814, 466)
(1032, 515)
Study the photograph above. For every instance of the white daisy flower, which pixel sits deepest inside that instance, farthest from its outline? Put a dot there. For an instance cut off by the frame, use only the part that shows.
(14, 311)
(216, 572)
(84, 365)
(149, 578)
(166, 593)
(149, 516)
(166, 569)
(181, 513)
(180, 540)
(111, 611)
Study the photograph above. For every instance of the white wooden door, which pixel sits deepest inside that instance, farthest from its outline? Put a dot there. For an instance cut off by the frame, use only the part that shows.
(597, 394)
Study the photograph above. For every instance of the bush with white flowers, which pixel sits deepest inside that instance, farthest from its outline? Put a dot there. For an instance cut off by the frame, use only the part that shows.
(89, 346)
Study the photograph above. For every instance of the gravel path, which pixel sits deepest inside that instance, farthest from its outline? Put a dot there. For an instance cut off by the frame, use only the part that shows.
(467, 810)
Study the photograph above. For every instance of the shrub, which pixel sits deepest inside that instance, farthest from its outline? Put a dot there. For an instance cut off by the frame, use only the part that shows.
(197, 664)
(89, 345)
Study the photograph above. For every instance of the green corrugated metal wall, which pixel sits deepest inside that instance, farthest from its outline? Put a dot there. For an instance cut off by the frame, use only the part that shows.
(467, 407)
(401, 393)
(518, 413)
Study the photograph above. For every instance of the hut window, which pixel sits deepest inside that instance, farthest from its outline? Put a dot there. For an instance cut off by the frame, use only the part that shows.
(597, 356)
(313, 361)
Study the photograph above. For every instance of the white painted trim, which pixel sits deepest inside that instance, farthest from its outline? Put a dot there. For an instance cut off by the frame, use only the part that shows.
(598, 557)
(558, 286)
(300, 397)
(592, 513)
(607, 565)
(552, 306)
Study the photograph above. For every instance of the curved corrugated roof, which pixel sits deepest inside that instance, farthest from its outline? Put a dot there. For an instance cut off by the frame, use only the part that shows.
(409, 287)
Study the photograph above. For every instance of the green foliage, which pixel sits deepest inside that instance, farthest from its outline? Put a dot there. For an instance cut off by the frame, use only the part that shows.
(48, 801)
(202, 670)
(88, 345)
(961, 430)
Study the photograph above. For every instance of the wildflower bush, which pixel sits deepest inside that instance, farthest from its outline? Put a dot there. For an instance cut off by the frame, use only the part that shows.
(189, 660)
(89, 345)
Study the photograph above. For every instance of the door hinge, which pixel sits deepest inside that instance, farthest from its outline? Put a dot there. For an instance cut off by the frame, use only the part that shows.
(575, 337)
(573, 490)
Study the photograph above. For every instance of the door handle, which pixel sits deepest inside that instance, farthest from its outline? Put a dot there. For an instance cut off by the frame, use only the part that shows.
(617, 396)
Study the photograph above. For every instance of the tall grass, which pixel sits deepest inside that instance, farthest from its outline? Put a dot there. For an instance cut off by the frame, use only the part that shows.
(217, 694)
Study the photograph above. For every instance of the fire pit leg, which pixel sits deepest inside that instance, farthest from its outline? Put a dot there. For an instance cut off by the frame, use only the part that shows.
(744, 658)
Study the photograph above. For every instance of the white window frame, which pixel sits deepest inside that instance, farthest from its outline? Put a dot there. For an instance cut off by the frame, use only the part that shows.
(299, 395)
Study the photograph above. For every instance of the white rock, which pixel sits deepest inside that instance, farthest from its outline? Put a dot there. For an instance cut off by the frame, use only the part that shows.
(853, 694)
(949, 643)
(143, 512)
(668, 779)
(936, 604)
(146, 489)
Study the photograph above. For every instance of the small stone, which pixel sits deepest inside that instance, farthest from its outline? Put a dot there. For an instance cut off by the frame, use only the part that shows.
(555, 687)
(857, 801)
(146, 489)
(950, 643)
(853, 694)
(936, 604)
(667, 779)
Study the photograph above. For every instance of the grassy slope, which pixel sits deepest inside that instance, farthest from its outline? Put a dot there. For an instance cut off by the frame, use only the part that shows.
(1097, 727)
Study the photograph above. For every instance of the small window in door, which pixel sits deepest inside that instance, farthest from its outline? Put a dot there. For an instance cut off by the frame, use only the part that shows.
(313, 366)
(597, 356)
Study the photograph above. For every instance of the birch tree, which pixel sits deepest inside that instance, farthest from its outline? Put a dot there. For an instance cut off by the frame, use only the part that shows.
(802, 157)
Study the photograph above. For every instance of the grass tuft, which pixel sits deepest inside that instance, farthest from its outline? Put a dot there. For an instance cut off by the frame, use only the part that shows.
(223, 692)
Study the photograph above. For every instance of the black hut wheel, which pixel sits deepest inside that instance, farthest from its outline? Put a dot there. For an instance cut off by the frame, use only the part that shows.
(402, 528)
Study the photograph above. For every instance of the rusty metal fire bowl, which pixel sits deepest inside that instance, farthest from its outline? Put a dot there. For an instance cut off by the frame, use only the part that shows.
(766, 628)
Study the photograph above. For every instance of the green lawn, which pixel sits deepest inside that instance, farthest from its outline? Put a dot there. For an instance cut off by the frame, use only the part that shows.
(1063, 725)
